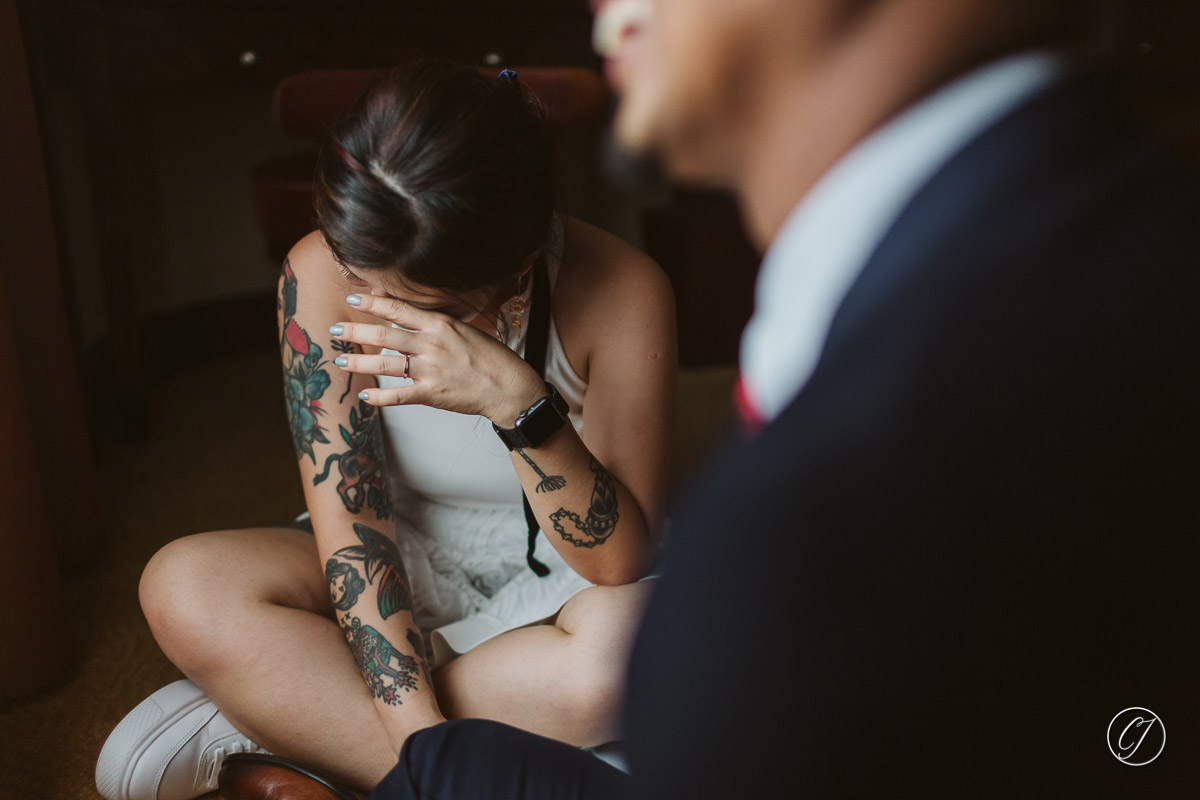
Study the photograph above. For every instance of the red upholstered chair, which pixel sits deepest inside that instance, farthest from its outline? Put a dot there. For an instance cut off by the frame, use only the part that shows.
(306, 104)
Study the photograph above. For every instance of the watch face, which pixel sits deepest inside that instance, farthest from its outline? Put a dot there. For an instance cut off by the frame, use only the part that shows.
(542, 419)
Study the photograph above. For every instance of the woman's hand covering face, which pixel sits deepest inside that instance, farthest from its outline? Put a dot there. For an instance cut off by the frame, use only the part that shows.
(453, 365)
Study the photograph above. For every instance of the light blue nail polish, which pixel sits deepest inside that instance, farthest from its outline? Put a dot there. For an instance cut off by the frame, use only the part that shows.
(354, 300)
(340, 361)
(335, 330)
(362, 395)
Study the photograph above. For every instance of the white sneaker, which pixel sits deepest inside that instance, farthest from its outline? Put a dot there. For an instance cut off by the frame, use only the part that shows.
(170, 747)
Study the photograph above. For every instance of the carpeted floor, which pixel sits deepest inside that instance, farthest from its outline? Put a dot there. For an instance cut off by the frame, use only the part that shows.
(219, 456)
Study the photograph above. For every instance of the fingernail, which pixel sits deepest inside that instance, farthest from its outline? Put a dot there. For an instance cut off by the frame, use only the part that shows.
(362, 395)
(354, 300)
(340, 361)
(335, 330)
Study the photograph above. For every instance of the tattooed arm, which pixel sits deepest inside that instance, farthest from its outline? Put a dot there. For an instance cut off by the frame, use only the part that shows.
(615, 314)
(599, 500)
(598, 497)
(339, 446)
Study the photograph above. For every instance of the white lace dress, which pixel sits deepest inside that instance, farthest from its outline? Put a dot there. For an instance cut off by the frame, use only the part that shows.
(461, 527)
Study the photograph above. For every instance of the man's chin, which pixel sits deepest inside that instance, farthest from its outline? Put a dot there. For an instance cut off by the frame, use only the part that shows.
(644, 153)
(633, 168)
(631, 125)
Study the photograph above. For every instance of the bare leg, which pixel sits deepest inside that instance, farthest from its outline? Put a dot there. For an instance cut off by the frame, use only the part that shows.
(247, 616)
(563, 680)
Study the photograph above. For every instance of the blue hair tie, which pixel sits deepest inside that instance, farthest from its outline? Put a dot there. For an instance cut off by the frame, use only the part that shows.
(510, 76)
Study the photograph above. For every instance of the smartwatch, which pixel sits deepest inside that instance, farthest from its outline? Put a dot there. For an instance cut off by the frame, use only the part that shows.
(537, 423)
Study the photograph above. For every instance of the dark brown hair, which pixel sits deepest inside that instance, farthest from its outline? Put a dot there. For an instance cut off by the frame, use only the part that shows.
(440, 174)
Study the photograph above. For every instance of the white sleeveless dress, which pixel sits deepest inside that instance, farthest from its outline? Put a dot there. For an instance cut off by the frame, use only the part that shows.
(461, 526)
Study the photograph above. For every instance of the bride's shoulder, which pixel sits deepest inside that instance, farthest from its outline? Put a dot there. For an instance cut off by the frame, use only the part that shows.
(311, 259)
(600, 271)
(310, 272)
(610, 297)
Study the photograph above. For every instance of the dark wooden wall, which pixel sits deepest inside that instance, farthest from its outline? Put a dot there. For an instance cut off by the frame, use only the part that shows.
(116, 53)
(116, 56)
(48, 509)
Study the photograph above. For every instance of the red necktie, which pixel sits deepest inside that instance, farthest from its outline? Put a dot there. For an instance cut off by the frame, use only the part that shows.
(752, 419)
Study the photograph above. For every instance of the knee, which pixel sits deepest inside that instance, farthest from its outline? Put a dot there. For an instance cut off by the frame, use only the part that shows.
(602, 625)
(597, 692)
(177, 593)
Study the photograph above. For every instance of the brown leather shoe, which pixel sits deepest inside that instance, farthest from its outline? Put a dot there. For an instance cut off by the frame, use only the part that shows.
(258, 776)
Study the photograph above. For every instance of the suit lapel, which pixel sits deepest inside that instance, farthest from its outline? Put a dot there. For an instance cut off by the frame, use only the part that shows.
(1003, 193)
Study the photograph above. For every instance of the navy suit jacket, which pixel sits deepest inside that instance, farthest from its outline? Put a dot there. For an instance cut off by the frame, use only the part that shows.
(972, 539)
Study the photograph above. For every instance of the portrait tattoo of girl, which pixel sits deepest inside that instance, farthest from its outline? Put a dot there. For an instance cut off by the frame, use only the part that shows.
(345, 584)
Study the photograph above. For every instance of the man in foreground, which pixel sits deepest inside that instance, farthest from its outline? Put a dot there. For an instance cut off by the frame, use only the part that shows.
(962, 543)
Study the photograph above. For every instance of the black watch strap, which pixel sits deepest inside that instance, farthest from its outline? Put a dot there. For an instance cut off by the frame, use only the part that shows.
(537, 423)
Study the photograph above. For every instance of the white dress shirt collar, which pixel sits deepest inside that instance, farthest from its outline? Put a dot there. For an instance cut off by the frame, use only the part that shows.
(827, 240)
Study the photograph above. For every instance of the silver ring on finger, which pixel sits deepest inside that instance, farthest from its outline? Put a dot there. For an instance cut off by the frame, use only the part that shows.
(407, 364)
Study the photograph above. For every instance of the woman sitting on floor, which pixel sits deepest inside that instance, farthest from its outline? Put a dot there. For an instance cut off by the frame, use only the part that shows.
(426, 592)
